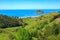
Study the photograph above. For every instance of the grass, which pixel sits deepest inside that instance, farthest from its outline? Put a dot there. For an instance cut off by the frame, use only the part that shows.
(8, 33)
(34, 25)
(4, 36)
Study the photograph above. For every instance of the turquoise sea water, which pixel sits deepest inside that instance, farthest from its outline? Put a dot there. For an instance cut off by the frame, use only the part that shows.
(26, 13)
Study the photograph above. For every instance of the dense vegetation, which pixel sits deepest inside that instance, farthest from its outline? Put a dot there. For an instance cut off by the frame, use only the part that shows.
(6, 21)
(45, 27)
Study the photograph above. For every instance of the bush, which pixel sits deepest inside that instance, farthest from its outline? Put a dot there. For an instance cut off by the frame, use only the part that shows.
(6, 21)
(23, 35)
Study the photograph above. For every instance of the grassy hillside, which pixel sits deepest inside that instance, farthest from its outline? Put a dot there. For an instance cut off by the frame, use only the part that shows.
(45, 27)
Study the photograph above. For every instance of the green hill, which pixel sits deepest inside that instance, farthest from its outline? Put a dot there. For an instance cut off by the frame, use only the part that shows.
(6, 21)
(45, 27)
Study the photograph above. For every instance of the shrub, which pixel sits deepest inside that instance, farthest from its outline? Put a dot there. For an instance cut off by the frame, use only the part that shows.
(23, 34)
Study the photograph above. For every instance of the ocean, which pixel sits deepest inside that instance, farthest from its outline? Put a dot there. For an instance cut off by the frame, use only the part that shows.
(27, 13)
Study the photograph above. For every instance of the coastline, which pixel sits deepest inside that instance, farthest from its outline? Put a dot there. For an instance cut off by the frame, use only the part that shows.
(26, 13)
(29, 16)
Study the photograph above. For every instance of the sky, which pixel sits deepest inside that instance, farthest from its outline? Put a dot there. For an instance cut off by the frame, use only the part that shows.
(29, 4)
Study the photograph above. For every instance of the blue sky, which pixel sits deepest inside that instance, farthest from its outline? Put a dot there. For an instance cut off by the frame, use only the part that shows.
(29, 4)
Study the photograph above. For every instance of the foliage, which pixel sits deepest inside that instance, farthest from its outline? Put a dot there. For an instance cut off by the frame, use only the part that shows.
(6, 21)
(46, 27)
(23, 35)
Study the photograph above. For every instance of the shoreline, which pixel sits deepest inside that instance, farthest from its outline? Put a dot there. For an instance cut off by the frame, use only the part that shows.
(29, 16)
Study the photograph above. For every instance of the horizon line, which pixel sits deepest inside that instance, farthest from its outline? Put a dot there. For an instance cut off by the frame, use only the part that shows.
(22, 9)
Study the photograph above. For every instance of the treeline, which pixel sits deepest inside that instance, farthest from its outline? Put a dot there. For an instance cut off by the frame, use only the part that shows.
(6, 21)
